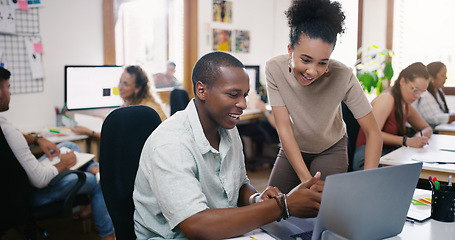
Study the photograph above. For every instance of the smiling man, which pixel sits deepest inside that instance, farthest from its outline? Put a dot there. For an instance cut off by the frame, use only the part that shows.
(191, 182)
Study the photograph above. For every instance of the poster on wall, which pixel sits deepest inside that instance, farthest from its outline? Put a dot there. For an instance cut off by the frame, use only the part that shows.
(222, 40)
(242, 41)
(222, 11)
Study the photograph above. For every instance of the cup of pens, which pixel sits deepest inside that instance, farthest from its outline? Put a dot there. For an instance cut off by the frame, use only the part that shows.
(59, 116)
(442, 201)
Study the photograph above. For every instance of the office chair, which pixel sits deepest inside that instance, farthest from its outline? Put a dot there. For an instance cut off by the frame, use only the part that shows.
(15, 206)
(352, 128)
(178, 100)
(123, 135)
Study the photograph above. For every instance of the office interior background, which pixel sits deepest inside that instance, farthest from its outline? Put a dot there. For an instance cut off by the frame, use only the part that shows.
(72, 34)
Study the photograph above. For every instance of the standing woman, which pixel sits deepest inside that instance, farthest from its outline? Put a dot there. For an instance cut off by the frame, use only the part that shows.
(393, 109)
(305, 89)
(432, 104)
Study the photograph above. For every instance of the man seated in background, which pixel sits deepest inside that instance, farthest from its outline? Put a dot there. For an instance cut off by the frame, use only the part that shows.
(167, 79)
(192, 183)
(40, 174)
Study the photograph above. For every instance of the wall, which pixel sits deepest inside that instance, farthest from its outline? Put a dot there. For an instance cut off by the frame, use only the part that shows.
(71, 33)
(263, 18)
(269, 32)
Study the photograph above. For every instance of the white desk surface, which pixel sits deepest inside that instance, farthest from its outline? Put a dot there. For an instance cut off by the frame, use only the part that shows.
(403, 155)
(448, 127)
(56, 138)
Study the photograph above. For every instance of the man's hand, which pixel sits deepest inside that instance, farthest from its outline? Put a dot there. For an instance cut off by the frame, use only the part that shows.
(304, 200)
(67, 160)
(268, 193)
(49, 148)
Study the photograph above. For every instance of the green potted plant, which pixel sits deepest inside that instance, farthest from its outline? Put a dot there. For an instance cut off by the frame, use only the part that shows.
(374, 68)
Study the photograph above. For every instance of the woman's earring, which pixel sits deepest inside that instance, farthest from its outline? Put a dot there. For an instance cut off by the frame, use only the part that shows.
(289, 64)
(327, 73)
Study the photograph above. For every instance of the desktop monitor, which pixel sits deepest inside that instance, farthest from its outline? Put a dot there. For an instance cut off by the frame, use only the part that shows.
(88, 87)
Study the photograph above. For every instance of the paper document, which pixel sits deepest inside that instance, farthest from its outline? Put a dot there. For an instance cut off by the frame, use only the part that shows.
(82, 158)
(254, 235)
(420, 209)
(91, 122)
(435, 156)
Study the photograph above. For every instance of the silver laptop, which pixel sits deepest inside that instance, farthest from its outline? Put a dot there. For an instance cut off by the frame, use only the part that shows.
(370, 204)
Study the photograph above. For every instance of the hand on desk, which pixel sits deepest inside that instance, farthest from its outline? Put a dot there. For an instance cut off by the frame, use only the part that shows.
(49, 148)
(81, 130)
(417, 141)
(305, 199)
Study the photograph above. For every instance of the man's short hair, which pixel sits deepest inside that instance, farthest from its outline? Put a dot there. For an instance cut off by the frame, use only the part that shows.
(207, 68)
(4, 74)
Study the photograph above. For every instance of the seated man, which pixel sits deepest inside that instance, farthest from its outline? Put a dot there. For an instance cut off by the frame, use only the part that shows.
(40, 174)
(192, 183)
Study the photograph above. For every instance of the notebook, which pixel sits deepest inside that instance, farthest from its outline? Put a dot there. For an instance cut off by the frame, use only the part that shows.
(82, 158)
(370, 204)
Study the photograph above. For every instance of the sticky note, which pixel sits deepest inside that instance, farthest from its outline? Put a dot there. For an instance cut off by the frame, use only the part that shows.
(38, 47)
(23, 5)
(115, 90)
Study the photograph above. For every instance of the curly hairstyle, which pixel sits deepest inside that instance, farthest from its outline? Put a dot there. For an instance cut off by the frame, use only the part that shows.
(315, 18)
(410, 73)
(141, 80)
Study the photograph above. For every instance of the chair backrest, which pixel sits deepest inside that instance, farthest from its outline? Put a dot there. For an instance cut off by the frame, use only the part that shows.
(14, 182)
(123, 135)
(178, 100)
(16, 209)
(352, 128)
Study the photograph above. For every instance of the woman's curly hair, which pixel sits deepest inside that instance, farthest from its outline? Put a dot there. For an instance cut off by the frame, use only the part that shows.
(315, 18)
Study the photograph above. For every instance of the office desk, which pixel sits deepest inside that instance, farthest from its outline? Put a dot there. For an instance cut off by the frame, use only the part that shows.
(428, 230)
(83, 141)
(448, 128)
(403, 156)
(251, 114)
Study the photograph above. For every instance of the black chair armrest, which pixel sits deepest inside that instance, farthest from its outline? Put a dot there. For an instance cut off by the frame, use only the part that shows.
(69, 199)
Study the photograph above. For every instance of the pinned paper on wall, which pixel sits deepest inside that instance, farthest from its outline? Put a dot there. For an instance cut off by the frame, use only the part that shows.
(8, 17)
(23, 5)
(34, 58)
(38, 47)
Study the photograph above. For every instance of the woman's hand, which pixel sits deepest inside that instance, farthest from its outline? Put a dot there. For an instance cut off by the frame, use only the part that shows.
(417, 141)
(81, 130)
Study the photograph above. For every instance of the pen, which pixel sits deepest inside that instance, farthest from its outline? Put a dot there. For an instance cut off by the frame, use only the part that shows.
(436, 184)
(420, 130)
(434, 180)
(431, 182)
(450, 181)
(409, 220)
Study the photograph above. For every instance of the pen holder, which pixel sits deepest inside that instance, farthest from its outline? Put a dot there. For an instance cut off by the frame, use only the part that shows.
(59, 120)
(443, 204)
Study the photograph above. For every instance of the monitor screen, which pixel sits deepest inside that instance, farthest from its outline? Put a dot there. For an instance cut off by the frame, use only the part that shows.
(89, 87)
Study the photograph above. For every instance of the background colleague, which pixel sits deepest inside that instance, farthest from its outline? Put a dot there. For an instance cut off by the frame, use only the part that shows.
(307, 86)
(393, 109)
(432, 103)
(41, 174)
(134, 89)
(192, 183)
(167, 79)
